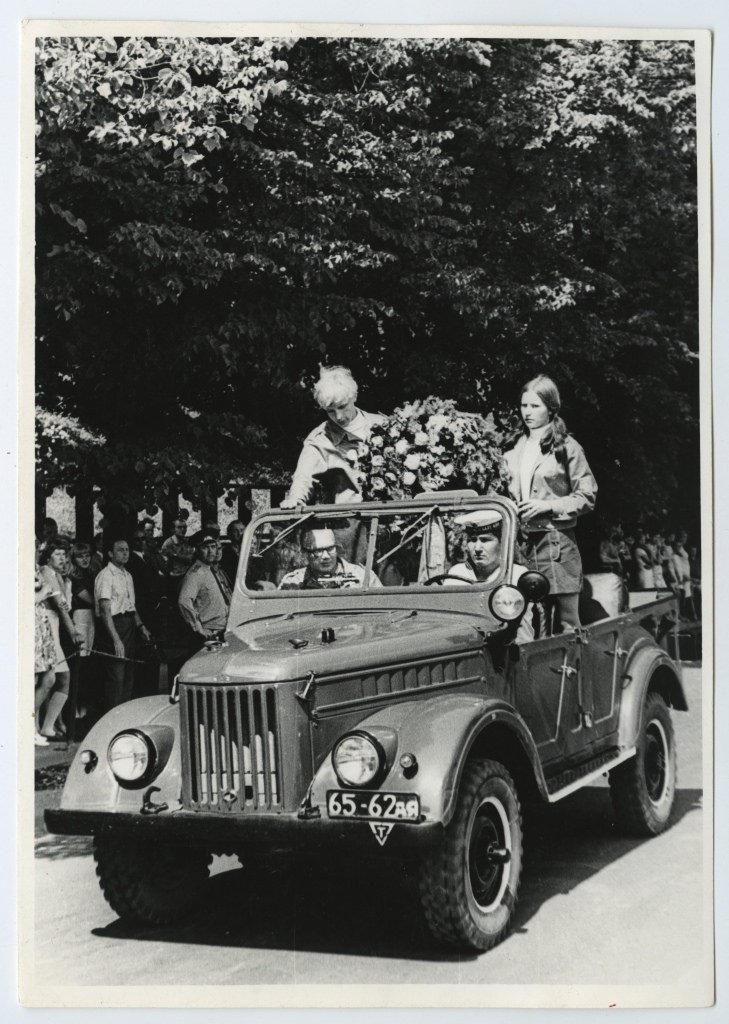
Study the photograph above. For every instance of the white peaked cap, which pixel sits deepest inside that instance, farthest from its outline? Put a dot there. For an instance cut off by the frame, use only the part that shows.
(482, 518)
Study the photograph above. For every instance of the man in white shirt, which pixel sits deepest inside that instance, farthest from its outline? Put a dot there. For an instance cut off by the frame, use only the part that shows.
(116, 609)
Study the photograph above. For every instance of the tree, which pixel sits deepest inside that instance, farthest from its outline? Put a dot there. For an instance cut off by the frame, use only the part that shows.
(216, 216)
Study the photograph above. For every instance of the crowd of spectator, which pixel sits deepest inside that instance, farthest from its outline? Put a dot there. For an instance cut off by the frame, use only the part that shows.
(112, 614)
(656, 561)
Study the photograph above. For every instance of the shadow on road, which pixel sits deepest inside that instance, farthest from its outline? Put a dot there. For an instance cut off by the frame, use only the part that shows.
(357, 909)
(371, 908)
(571, 841)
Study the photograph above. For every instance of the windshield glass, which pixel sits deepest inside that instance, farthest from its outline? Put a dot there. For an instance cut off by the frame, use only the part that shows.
(369, 550)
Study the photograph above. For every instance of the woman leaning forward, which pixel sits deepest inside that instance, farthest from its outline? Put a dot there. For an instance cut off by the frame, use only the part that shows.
(552, 485)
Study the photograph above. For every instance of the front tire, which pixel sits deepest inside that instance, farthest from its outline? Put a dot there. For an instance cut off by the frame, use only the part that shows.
(469, 884)
(643, 789)
(154, 883)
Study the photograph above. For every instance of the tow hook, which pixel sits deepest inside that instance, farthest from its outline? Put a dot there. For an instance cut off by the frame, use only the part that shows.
(306, 808)
(147, 806)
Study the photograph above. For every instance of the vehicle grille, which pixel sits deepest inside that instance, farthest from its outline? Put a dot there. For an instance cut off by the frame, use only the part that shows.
(231, 750)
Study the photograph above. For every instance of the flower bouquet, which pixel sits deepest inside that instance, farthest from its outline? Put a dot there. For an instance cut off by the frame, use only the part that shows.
(430, 446)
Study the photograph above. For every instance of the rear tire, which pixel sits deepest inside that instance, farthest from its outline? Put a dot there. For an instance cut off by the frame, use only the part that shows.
(643, 789)
(150, 882)
(470, 882)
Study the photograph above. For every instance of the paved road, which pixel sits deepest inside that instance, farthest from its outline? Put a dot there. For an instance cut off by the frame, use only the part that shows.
(595, 909)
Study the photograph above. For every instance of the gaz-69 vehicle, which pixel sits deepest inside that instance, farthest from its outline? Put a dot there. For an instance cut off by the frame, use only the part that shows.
(382, 684)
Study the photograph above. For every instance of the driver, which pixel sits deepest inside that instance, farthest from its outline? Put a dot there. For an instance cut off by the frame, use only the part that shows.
(482, 562)
(325, 569)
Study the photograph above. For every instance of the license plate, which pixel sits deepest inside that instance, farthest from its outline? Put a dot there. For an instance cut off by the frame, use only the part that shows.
(373, 806)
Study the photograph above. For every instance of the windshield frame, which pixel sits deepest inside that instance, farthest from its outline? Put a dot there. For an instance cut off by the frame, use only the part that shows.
(372, 512)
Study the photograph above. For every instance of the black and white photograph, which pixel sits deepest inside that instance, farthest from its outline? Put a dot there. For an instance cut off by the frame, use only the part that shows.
(367, 374)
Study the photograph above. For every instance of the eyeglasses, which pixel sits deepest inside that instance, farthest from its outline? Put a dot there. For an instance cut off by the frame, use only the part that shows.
(322, 551)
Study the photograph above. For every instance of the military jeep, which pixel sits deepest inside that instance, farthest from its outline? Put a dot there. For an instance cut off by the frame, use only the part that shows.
(391, 703)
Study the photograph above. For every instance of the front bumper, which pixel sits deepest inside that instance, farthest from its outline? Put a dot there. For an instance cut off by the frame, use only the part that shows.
(272, 832)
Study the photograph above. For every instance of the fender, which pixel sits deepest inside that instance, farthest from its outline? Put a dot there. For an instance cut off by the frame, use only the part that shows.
(647, 666)
(441, 734)
(96, 788)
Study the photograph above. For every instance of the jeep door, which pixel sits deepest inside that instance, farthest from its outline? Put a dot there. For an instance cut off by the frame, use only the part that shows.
(602, 658)
(549, 696)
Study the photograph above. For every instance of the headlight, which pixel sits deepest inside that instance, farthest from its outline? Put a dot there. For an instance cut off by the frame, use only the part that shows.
(507, 602)
(131, 757)
(358, 759)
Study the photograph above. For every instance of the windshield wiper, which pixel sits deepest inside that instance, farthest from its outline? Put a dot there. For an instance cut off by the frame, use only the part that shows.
(412, 535)
(285, 533)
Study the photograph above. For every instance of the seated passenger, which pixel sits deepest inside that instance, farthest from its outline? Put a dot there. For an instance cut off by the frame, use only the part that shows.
(482, 563)
(325, 569)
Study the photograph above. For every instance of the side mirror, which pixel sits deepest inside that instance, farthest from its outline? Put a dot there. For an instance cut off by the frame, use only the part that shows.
(533, 585)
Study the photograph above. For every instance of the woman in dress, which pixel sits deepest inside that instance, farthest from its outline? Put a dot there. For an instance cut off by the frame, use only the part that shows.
(45, 650)
(329, 453)
(552, 484)
(57, 606)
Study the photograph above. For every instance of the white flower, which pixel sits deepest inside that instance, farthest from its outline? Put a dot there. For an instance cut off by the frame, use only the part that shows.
(447, 470)
(421, 438)
(412, 461)
(376, 441)
(408, 478)
(402, 446)
(436, 423)
(377, 461)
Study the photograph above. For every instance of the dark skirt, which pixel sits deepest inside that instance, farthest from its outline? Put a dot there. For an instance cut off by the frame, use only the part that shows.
(555, 553)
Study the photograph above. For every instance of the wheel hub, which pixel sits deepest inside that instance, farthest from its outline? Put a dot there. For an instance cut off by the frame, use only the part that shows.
(488, 857)
(655, 763)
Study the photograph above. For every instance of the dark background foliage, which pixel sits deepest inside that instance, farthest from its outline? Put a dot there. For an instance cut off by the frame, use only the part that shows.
(215, 217)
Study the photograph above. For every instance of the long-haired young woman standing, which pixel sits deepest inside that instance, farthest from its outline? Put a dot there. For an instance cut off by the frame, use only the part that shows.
(552, 484)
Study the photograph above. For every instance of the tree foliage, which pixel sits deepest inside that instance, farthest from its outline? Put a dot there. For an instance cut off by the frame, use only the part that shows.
(217, 216)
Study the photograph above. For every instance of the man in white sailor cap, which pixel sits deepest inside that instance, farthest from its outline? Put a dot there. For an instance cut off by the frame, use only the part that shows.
(482, 549)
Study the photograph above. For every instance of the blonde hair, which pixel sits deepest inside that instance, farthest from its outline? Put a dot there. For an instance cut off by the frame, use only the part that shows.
(335, 384)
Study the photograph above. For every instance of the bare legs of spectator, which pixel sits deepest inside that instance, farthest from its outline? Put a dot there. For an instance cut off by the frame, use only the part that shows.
(43, 684)
(52, 722)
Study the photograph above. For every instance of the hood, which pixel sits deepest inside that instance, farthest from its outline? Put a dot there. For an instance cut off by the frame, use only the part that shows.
(279, 647)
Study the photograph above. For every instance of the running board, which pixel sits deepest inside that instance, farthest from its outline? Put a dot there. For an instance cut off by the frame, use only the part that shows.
(575, 778)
